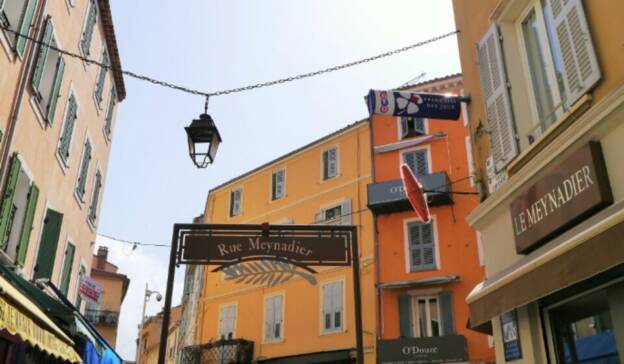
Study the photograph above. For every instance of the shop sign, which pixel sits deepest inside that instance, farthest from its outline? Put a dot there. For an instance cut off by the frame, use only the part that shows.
(89, 289)
(511, 337)
(569, 193)
(389, 196)
(438, 349)
(421, 105)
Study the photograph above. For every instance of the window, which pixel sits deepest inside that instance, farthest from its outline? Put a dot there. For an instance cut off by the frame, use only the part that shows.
(227, 322)
(48, 243)
(278, 184)
(87, 34)
(333, 311)
(48, 74)
(81, 184)
(97, 187)
(337, 215)
(108, 125)
(17, 212)
(421, 246)
(330, 163)
(68, 264)
(71, 113)
(99, 86)
(273, 321)
(418, 161)
(426, 315)
(17, 15)
(236, 205)
(412, 126)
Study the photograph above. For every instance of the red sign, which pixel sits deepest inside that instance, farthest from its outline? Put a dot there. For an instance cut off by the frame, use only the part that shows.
(90, 289)
(415, 194)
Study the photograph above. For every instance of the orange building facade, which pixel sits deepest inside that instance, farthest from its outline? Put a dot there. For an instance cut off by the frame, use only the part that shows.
(425, 271)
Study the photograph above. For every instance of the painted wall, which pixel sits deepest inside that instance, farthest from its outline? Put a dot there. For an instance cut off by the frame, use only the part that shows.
(37, 142)
(456, 243)
(306, 195)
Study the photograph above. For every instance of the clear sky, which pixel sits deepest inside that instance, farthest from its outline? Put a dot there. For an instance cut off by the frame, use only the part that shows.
(212, 45)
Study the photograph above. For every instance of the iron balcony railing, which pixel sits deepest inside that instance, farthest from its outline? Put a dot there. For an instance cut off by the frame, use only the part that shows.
(102, 317)
(234, 351)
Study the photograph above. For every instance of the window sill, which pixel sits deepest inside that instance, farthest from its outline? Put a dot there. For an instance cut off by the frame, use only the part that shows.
(107, 138)
(6, 45)
(333, 332)
(78, 200)
(274, 341)
(98, 106)
(550, 134)
(63, 164)
(92, 224)
(34, 103)
(329, 179)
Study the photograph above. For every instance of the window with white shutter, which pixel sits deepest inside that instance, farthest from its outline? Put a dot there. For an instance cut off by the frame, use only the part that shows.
(236, 198)
(227, 322)
(273, 320)
(333, 310)
(412, 126)
(497, 101)
(330, 163)
(421, 244)
(278, 184)
(417, 160)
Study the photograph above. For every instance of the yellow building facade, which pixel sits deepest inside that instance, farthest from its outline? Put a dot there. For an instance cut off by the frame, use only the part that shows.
(321, 183)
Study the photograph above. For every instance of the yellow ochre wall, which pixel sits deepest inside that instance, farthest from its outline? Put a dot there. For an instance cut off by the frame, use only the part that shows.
(306, 194)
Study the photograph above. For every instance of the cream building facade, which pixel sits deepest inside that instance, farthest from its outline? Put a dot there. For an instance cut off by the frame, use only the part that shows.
(57, 115)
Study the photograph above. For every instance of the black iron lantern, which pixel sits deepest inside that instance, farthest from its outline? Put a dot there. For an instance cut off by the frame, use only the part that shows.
(203, 140)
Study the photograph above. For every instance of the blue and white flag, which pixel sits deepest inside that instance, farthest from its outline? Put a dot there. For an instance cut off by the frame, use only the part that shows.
(421, 105)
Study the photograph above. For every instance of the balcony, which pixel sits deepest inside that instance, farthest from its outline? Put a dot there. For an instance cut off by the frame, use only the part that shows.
(389, 196)
(438, 349)
(102, 317)
(236, 351)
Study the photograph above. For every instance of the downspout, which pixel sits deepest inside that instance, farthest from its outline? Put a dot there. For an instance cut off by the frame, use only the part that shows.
(19, 96)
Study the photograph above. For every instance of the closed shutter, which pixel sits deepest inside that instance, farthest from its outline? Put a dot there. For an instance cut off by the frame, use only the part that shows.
(1, 4)
(278, 317)
(48, 244)
(7, 201)
(580, 64)
(24, 28)
(337, 304)
(422, 246)
(446, 308)
(68, 263)
(417, 161)
(99, 87)
(109, 113)
(497, 100)
(27, 226)
(56, 87)
(345, 212)
(85, 41)
(41, 57)
(419, 125)
(327, 307)
(405, 316)
(70, 118)
(269, 319)
(96, 196)
(84, 168)
(330, 158)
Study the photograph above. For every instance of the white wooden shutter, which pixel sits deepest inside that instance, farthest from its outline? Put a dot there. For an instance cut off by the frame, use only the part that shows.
(337, 304)
(497, 100)
(580, 65)
(278, 317)
(345, 212)
(269, 319)
(327, 307)
(332, 162)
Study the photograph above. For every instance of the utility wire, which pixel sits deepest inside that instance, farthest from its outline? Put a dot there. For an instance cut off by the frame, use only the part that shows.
(237, 89)
(133, 243)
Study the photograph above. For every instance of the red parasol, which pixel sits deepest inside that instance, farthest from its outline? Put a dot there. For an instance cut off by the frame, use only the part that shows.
(415, 194)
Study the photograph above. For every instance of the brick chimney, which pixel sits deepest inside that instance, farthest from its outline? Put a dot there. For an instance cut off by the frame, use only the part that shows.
(102, 256)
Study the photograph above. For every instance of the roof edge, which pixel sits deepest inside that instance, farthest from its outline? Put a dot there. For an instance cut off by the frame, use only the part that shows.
(113, 50)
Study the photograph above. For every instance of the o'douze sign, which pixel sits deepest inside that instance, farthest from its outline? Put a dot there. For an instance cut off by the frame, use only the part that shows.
(570, 192)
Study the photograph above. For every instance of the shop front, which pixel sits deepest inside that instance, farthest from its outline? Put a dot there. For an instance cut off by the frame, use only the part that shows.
(555, 291)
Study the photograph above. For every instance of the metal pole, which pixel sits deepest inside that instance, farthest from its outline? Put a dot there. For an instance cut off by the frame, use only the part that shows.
(167, 309)
(359, 340)
(138, 351)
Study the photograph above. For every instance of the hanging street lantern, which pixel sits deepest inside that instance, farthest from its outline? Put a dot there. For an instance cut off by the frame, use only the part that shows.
(203, 139)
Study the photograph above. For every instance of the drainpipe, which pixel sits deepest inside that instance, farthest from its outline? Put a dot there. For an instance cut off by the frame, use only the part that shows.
(26, 70)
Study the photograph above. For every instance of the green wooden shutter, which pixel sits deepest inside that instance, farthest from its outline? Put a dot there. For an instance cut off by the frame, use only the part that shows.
(109, 114)
(48, 244)
(56, 86)
(24, 28)
(41, 57)
(446, 308)
(405, 316)
(84, 168)
(81, 273)
(67, 268)
(27, 226)
(1, 4)
(99, 87)
(7, 202)
(87, 35)
(96, 196)
(70, 118)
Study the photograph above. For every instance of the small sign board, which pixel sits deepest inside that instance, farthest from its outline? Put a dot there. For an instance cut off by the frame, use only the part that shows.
(421, 105)
(511, 336)
(568, 193)
(89, 289)
(436, 349)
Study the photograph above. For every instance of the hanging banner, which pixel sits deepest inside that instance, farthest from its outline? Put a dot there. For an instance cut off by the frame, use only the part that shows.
(420, 105)
(90, 290)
